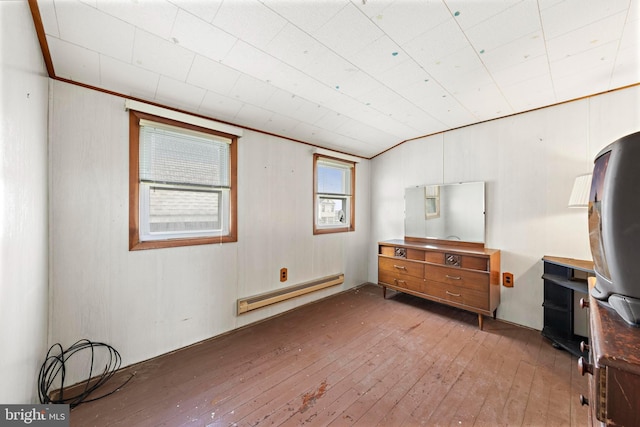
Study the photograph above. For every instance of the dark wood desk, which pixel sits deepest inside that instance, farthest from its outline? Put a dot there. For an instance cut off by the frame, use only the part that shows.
(613, 368)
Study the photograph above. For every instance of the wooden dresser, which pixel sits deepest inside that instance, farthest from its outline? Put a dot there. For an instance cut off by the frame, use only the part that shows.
(463, 275)
(613, 368)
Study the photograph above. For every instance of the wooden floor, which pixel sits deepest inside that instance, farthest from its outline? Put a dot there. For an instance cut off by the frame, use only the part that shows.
(354, 359)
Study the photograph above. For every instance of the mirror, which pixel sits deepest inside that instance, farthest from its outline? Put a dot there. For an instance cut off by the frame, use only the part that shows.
(446, 212)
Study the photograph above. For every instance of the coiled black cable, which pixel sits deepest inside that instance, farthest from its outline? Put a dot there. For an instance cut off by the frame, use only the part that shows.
(56, 364)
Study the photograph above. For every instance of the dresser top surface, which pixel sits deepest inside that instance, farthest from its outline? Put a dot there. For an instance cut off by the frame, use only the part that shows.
(473, 250)
(578, 264)
(614, 342)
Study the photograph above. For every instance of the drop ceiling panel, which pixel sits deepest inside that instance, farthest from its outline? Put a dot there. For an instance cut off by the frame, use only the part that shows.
(154, 16)
(348, 32)
(212, 75)
(178, 94)
(250, 21)
(571, 15)
(588, 37)
(309, 19)
(195, 34)
(74, 62)
(124, 78)
(85, 26)
(509, 25)
(156, 54)
(404, 21)
(471, 13)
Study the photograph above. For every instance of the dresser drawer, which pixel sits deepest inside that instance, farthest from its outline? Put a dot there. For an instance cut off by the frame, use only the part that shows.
(458, 294)
(401, 267)
(455, 276)
(405, 282)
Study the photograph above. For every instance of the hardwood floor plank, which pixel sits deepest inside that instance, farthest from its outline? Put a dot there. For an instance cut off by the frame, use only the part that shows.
(354, 359)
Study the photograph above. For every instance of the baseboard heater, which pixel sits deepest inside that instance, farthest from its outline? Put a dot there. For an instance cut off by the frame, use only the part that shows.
(283, 294)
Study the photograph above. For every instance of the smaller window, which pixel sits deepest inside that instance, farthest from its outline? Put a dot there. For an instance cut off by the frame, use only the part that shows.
(333, 195)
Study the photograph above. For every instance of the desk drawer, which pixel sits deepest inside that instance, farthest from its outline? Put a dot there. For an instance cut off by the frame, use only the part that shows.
(458, 294)
(474, 280)
(401, 267)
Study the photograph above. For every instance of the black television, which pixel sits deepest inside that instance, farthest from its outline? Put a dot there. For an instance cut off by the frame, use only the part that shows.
(614, 226)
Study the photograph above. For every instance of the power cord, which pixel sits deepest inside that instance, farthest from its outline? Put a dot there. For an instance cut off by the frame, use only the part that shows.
(56, 364)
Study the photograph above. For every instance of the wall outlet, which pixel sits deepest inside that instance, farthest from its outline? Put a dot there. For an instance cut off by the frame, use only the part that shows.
(507, 279)
(283, 274)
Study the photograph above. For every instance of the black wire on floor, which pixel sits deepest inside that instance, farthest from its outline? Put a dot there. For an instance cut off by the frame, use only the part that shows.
(56, 364)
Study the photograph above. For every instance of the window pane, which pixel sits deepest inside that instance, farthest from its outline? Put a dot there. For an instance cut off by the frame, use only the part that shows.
(333, 211)
(333, 180)
(174, 158)
(172, 210)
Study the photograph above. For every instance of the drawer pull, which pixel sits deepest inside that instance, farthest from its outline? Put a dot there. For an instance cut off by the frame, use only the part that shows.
(453, 277)
(399, 281)
(584, 347)
(584, 367)
(584, 303)
(452, 294)
(400, 267)
(584, 401)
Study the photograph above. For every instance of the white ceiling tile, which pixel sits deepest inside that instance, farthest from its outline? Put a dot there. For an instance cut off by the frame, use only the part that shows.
(249, 20)
(280, 124)
(448, 70)
(627, 68)
(156, 54)
(525, 70)
(357, 84)
(295, 47)
(631, 33)
(49, 18)
(570, 15)
(85, 26)
(74, 62)
(252, 116)
(220, 106)
(195, 34)
(294, 106)
(587, 37)
(124, 78)
(154, 16)
(309, 19)
(519, 51)
(212, 75)
(522, 98)
(205, 10)
(252, 61)
(571, 86)
(249, 89)
(603, 55)
(485, 102)
(470, 13)
(443, 40)
(379, 56)
(331, 121)
(348, 32)
(402, 21)
(404, 74)
(179, 94)
(511, 24)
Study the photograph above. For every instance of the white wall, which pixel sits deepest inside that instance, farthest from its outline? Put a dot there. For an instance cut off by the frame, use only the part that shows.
(23, 205)
(149, 302)
(529, 162)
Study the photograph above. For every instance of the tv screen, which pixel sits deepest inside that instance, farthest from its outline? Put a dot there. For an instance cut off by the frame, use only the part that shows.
(595, 215)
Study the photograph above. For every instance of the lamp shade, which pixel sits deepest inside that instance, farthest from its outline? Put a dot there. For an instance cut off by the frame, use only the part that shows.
(580, 193)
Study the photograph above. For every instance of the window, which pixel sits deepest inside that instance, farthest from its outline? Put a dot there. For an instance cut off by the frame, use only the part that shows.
(333, 195)
(182, 184)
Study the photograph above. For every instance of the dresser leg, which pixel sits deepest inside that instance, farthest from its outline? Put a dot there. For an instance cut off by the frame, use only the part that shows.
(480, 321)
(384, 292)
